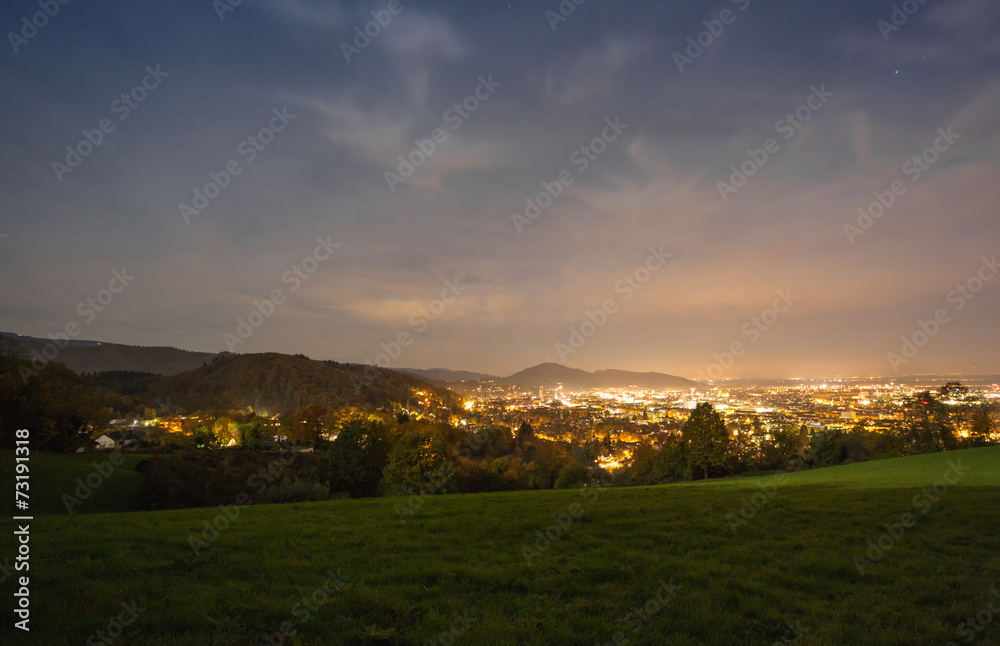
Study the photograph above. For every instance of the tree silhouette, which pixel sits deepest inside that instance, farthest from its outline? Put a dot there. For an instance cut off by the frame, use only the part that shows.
(310, 424)
(707, 439)
(357, 457)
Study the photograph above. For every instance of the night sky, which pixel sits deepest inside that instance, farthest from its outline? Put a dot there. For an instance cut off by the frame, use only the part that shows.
(845, 101)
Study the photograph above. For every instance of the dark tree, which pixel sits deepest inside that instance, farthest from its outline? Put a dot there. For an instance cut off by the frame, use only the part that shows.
(525, 433)
(928, 425)
(310, 424)
(357, 458)
(707, 439)
(982, 426)
(58, 406)
(420, 463)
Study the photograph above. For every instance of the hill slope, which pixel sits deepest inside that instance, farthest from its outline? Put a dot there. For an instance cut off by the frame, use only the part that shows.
(96, 356)
(276, 383)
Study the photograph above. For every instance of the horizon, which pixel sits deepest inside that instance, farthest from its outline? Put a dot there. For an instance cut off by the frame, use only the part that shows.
(58, 343)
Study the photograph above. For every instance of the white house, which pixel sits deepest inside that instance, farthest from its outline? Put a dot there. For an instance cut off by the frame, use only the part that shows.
(104, 442)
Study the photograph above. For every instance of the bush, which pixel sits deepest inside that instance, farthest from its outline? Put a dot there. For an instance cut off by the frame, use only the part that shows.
(571, 476)
(357, 457)
(205, 479)
(294, 491)
(419, 462)
(475, 476)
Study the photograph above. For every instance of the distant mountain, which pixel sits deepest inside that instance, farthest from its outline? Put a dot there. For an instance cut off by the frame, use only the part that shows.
(97, 356)
(917, 381)
(279, 383)
(940, 380)
(444, 375)
(552, 374)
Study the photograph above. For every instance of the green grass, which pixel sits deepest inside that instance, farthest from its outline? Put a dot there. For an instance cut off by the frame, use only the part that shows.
(915, 471)
(791, 562)
(54, 474)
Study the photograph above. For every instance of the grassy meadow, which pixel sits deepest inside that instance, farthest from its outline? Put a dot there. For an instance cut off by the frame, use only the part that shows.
(737, 561)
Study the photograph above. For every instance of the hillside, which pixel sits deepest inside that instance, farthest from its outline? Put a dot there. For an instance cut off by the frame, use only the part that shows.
(553, 374)
(650, 565)
(276, 383)
(96, 356)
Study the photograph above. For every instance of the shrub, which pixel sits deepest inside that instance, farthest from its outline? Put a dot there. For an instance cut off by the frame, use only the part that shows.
(294, 491)
(571, 476)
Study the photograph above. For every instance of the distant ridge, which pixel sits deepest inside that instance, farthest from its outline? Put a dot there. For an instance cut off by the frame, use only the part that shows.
(553, 374)
(444, 375)
(97, 356)
(940, 380)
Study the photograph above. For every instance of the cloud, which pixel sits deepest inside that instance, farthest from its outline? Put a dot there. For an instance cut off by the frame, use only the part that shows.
(594, 72)
(376, 136)
(417, 46)
(424, 36)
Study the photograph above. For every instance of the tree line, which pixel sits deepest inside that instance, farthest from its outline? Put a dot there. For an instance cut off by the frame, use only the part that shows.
(947, 420)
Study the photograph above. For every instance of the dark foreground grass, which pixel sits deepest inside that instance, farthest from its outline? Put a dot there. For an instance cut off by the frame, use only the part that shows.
(55, 475)
(791, 563)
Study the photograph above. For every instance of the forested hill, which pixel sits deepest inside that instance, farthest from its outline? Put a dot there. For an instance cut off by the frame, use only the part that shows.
(96, 356)
(277, 383)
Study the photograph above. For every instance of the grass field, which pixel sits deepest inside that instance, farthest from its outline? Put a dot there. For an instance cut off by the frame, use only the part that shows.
(735, 561)
(57, 475)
